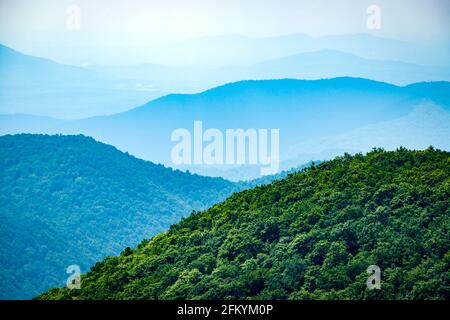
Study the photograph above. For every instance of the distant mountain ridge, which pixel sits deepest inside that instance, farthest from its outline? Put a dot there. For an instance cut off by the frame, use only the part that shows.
(312, 65)
(332, 63)
(39, 86)
(239, 50)
(303, 110)
(427, 124)
(43, 87)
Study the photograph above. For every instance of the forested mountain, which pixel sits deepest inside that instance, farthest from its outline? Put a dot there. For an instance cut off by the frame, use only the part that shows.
(71, 200)
(310, 236)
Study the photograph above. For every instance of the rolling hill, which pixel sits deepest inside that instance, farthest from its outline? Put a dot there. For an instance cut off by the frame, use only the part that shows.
(312, 235)
(71, 200)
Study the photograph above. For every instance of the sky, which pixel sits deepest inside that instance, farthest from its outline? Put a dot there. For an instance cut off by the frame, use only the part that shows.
(45, 27)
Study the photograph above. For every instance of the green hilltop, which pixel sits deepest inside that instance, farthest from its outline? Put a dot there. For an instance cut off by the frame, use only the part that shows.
(311, 235)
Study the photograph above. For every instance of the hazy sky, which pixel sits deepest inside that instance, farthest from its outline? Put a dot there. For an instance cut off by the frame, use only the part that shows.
(30, 25)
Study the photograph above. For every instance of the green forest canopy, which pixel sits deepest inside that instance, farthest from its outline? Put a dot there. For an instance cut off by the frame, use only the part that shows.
(309, 236)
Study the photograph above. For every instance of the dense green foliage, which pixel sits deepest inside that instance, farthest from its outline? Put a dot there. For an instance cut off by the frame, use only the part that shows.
(278, 176)
(309, 236)
(71, 200)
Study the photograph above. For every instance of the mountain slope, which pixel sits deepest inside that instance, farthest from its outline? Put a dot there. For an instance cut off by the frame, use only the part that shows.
(71, 200)
(310, 236)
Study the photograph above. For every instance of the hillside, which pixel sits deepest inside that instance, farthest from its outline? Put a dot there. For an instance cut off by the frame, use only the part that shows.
(309, 236)
(71, 200)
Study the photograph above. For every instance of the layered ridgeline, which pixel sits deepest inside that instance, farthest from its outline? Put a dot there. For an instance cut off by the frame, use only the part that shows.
(318, 120)
(32, 85)
(312, 235)
(71, 200)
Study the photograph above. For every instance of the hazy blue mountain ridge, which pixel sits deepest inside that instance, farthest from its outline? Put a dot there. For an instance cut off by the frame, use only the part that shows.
(303, 110)
(38, 86)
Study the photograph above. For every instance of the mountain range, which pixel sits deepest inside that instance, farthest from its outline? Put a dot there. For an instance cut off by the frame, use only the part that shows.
(87, 176)
(42, 87)
(38, 86)
(235, 50)
(305, 112)
(238, 50)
